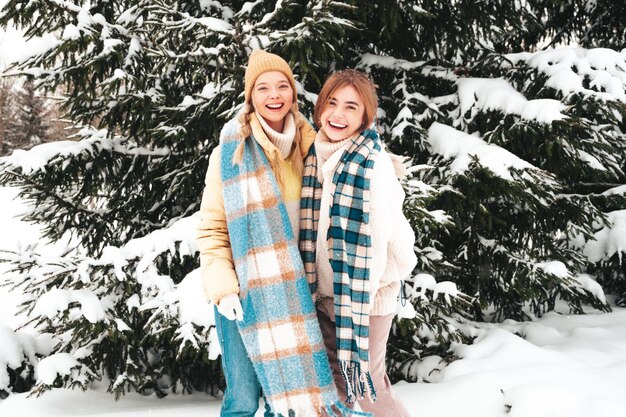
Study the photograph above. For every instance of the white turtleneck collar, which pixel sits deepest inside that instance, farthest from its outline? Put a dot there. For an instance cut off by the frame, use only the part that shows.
(324, 147)
(283, 141)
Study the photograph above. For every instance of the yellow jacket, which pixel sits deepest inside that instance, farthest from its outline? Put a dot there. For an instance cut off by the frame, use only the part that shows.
(216, 259)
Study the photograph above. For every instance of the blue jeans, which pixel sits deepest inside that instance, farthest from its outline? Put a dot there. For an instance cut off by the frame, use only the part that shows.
(241, 398)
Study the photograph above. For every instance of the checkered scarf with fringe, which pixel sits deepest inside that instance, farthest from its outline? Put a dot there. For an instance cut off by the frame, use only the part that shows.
(349, 243)
(280, 329)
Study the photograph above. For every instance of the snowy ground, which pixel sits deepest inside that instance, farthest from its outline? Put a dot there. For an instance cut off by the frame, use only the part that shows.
(567, 366)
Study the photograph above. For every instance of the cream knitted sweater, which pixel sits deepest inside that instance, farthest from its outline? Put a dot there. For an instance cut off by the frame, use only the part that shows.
(393, 257)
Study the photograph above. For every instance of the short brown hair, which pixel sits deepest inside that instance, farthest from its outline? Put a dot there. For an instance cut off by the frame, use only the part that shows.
(361, 83)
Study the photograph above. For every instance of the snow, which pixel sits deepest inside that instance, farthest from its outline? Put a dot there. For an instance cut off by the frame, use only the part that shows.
(588, 283)
(591, 160)
(98, 403)
(480, 94)
(155, 243)
(566, 69)
(121, 325)
(16, 347)
(212, 89)
(109, 46)
(369, 60)
(194, 309)
(573, 366)
(621, 189)
(406, 310)
(11, 354)
(39, 156)
(188, 101)
(447, 289)
(381, 61)
(556, 268)
(58, 300)
(70, 32)
(533, 399)
(569, 366)
(129, 15)
(609, 240)
(217, 25)
(424, 281)
(52, 302)
(193, 304)
(133, 50)
(247, 7)
(576, 356)
(57, 364)
(460, 146)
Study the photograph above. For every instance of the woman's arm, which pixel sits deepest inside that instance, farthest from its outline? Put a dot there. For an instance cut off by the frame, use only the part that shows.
(393, 256)
(216, 260)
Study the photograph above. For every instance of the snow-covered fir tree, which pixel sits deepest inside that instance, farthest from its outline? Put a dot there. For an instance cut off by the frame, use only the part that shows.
(500, 233)
(513, 174)
(510, 244)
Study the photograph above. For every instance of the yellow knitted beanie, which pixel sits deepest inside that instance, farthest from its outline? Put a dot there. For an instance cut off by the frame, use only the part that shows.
(260, 62)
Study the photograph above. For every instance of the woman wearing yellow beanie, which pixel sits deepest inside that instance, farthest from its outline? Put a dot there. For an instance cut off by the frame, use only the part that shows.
(250, 262)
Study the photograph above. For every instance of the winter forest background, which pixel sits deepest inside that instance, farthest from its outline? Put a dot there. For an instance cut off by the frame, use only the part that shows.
(511, 114)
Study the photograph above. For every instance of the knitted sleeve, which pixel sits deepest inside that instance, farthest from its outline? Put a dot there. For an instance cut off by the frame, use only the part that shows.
(393, 255)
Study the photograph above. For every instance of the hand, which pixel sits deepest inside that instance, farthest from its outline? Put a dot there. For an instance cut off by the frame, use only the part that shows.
(230, 307)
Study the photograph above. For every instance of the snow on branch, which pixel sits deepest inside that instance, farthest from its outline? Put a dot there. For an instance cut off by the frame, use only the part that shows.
(372, 60)
(58, 364)
(17, 349)
(58, 300)
(67, 5)
(160, 294)
(150, 246)
(426, 282)
(268, 17)
(247, 7)
(462, 147)
(580, 281)
(610, 240)
(619, 190)
(481, 94)
(188, 22)
(388, 62)
(93, 142)
(570, 69)
(83, 293)
(588, 283)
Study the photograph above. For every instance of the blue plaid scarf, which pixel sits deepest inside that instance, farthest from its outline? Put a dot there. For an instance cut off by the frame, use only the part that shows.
(280, 329)
(349, 242)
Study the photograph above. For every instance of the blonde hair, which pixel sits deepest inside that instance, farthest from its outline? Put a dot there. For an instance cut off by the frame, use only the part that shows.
(275, 159)
(361, 83)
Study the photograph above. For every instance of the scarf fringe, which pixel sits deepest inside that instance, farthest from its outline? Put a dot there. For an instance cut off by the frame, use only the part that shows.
(358, 383)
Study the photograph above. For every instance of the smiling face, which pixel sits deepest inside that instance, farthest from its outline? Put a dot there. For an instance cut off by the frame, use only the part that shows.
(272, 97)
(343, 114)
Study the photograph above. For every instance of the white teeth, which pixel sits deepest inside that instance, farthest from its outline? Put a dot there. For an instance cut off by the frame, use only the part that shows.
(274, 106)
(337, 125)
